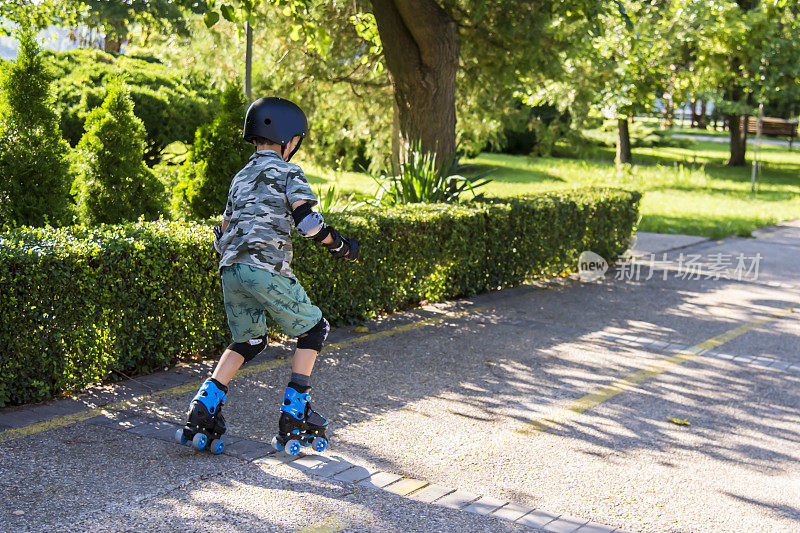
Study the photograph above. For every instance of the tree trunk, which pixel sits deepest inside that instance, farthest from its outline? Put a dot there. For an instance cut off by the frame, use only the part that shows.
(420, 44)
(738, 140)
(667, 120)
(248, 63)
(737, 126)
(396, 137)
(111, 45)
(623, 142)
(702, 123)
(115, 35)
(693, 109)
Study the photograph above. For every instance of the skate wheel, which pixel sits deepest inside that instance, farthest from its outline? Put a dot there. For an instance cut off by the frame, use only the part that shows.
(292, 446)
(180, 437)
(199, 441)
(319, 444)
(277, 445)
(217, 446)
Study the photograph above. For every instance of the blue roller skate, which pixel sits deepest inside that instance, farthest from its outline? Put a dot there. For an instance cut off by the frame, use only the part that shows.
(205, 426)
(299, 425)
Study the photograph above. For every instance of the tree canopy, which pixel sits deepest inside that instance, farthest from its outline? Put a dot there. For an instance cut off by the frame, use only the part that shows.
(439, 73)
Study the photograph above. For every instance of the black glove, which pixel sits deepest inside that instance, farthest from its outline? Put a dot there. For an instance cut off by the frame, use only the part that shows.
(217, 234)
(343, 248)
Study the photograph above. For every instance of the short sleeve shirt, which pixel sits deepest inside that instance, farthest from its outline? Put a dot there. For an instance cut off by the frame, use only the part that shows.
(259, 213)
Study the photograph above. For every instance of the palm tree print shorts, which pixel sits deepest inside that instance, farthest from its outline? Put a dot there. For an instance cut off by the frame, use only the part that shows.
(250, 292)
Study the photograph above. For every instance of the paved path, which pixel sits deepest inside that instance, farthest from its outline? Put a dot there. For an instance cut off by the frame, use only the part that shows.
(543, 406)
(715, 139)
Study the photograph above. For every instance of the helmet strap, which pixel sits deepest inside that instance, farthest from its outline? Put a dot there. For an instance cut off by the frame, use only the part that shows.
(296, 148)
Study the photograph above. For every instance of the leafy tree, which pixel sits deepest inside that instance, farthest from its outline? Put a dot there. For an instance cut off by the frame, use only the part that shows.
(246, 12)
(218, 153)
(746, 53)
(114, 185)
(35, 14)
(610, 70)
(340, 82)
(426, 45)
(487, 52)
(115, 18)
(34, 188)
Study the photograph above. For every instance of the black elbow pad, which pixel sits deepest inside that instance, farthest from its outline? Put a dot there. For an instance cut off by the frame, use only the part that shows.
(308, 223)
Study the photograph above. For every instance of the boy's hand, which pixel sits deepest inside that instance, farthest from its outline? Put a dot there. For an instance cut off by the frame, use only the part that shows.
(348, 250)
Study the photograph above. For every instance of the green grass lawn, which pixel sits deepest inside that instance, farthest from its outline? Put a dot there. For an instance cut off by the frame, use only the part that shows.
(686, 190)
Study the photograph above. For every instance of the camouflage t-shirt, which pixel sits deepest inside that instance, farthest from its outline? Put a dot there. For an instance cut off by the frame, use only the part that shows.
(259, 213)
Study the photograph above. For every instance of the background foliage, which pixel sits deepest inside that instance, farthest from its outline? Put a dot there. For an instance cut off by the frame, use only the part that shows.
(218, 153)
(172, 104)
(113, 184)
(133, 298)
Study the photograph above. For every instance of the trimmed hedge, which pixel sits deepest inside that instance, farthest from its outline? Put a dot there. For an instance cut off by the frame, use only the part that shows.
(83, 305)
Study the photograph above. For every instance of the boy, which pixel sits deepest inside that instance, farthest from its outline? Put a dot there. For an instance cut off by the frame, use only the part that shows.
(265, 199)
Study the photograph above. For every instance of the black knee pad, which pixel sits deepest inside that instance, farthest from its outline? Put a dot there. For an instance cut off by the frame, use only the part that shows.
(313, 338)
(251, 348)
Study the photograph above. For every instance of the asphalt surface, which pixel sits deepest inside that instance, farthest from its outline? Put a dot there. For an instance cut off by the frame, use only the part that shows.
(553, 400)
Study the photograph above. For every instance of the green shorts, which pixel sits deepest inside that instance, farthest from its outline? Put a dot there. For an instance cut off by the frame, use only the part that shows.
(249, 292)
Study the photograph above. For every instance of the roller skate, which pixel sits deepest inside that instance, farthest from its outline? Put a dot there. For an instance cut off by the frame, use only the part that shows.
(205, 426)
(299, 425)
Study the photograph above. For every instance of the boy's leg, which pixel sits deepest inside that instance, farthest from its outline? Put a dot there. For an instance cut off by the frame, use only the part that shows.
(299, 424)
(229, 363)
(246, 320)
(286, 301)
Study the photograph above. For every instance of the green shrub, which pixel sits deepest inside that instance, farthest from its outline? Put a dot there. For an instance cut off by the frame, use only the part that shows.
(114, 185)
(218, 153)
(529, 130)
(83, 303)
(34, 168)
(171, 103)
(419, 178)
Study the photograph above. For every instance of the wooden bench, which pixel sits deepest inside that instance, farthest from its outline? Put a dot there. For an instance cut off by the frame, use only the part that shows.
(776, 127)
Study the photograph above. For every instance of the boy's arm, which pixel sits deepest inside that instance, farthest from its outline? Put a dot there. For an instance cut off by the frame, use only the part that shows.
(311, 225)
(328, 239)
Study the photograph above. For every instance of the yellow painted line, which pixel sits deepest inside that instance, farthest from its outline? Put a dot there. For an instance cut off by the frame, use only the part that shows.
(573, 409)
(67, 420)
(408, 327)
(327, 525)
(406, 486)
(46, 425)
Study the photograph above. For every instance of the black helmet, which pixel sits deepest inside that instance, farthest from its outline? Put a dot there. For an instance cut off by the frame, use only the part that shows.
(277, 120)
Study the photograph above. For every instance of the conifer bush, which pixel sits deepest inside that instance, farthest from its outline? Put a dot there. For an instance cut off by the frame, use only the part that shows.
(217, 154)
(34, 164)
(114, 185)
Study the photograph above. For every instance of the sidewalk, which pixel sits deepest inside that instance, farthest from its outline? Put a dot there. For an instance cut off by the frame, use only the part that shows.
(542, 406)
(713, 139)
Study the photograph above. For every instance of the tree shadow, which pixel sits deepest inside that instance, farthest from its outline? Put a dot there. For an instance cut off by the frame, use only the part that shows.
(513, 363)
(507, 173)
(787, 511)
